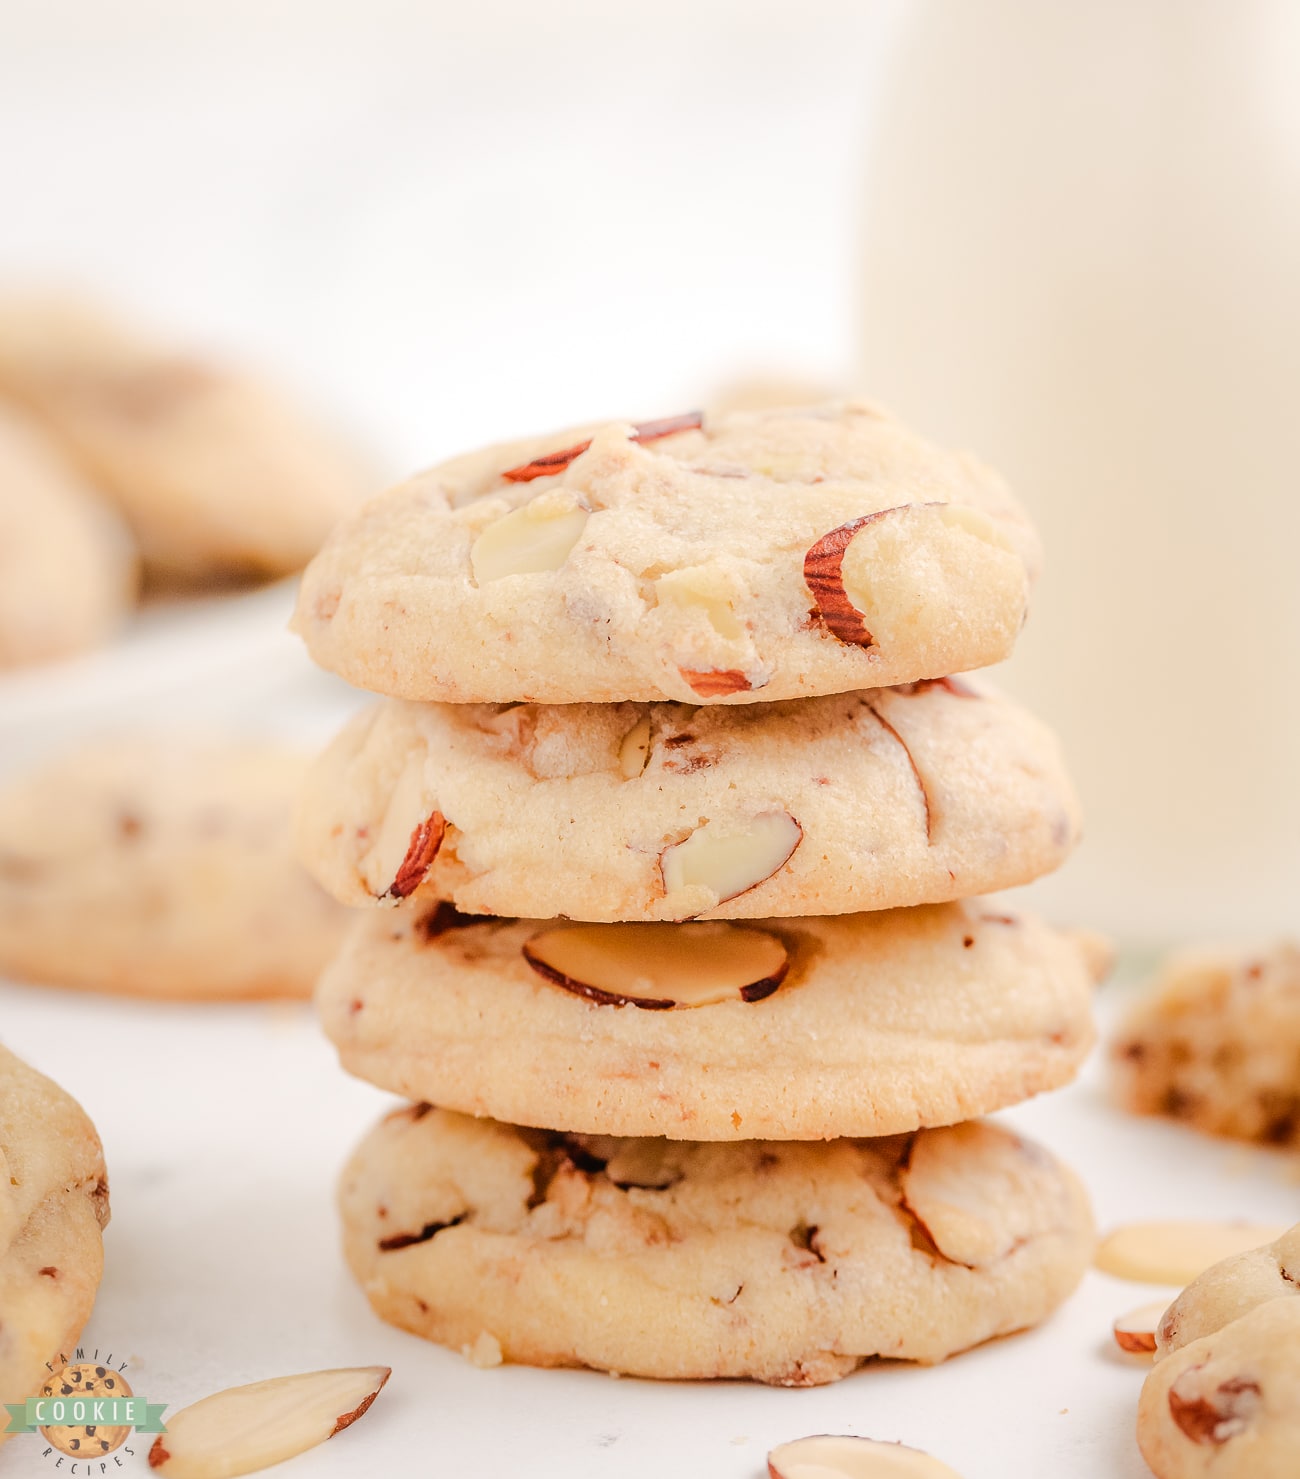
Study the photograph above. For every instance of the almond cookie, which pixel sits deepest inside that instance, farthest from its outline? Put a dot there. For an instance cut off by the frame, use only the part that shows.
(665, 812)
(67, 564)
(53, 1209)
(162, 866)
(749, 556)
(790, 1263)
(1230, 1289)
(1215, 1042)
(1227, 1405)
(803, 1029)
(214, 471)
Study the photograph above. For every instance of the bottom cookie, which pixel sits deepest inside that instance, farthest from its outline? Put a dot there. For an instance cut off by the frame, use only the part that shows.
(788, 1262)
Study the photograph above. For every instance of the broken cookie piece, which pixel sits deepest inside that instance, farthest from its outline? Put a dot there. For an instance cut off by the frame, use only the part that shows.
(1215, 1042)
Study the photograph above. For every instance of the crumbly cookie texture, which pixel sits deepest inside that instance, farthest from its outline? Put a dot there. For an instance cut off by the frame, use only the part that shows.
(789, 1263)
(162, 865)
(1230, 1289)
(214, 471)
(1215, 1042)
(828, 805)
(53, 1209)
(67, 564)
(757, 556)
(877, 1023)
(1227, 1405)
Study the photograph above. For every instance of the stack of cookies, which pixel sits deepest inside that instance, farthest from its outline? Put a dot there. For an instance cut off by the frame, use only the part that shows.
(681, 821)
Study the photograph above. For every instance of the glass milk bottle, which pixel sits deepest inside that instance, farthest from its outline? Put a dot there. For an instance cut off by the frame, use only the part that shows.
(1082, 260)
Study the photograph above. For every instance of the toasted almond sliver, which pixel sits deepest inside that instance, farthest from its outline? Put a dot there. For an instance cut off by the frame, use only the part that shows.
(660, 965)
(827, 1457)
(1175, 1253)
(244, 1429)
(730, 858)
(1135, 1331)
(528, 540)
(634, 749)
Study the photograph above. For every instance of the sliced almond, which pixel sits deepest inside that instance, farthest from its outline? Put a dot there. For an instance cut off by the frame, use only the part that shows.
(696, 588)
(660, 965)
(871, 575)
(528, 540)
(1177, 1252)
(729, 858)
(827, 1457)
(977, 1190)
(244, 1429)
(406, 840)
(1135, 1331)
(839, 604)
(425, 840)
(634, 749)
(555, 462)
(715, 682)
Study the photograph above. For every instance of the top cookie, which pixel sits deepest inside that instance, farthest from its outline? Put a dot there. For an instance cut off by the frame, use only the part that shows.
(730, 559)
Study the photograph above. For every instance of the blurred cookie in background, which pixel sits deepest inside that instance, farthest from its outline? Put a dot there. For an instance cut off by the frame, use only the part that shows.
(218, 474)
(1215, 1042)
(68, 566)
(160, 865)
(53, 1211)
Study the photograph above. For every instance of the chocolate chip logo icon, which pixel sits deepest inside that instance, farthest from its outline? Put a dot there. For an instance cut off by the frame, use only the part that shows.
(81, 1385)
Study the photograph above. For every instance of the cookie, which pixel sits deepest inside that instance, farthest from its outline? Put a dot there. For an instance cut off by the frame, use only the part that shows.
(1227, 1406)
(214, 470)
(792, 1029)
(790, 1263)
(750, 556)
(67, 563)
(162, 866)
(663, 812)
(1215, 1043)
(1231, 1289)
(53, 1209)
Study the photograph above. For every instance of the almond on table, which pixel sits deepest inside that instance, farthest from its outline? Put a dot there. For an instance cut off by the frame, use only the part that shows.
(828, 1457)
(244, 1429)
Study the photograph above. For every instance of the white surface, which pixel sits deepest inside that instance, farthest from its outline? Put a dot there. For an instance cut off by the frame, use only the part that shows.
(225, 1130)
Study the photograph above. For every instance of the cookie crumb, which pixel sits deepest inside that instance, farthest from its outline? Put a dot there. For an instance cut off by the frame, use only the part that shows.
(485, 1351)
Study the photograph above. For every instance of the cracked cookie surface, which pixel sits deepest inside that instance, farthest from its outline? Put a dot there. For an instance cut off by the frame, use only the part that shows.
(162, 865)
(708, 564)
(789, 1263)
(899, 796)
(53, 1209)
(883, 1022)
(1215, 1042)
